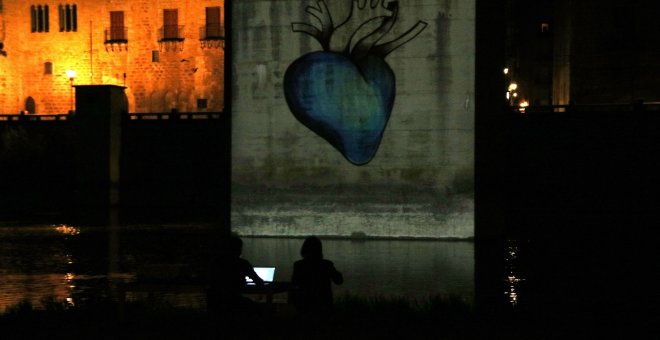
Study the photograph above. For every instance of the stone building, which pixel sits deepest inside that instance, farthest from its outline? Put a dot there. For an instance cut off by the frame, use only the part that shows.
(168, 53)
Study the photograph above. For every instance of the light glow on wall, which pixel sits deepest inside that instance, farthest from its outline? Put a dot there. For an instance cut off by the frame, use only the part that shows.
(71, 74)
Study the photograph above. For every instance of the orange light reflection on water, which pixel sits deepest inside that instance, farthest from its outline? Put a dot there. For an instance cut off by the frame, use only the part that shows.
(67, 230)
(15, 288)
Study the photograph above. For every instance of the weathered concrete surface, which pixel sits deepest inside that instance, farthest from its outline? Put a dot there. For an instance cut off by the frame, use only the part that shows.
(350, 214)
(289, 181)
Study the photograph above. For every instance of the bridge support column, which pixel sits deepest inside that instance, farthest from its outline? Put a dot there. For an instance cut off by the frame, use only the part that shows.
(98, 119)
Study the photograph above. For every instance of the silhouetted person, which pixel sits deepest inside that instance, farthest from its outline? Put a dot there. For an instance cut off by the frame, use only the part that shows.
(227, 279)
(312, 279)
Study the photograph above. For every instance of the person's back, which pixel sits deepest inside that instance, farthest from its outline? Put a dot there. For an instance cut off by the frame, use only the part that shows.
(234, 271)
(313, 277)
(228, 275)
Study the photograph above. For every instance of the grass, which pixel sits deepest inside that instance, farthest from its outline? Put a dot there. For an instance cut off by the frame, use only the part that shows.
(354, 317)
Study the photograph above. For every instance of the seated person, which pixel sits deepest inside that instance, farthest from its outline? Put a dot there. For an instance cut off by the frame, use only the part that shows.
(312, 279)
(227, 279)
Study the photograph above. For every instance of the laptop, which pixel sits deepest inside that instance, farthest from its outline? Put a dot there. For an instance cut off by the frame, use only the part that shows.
(265, 273)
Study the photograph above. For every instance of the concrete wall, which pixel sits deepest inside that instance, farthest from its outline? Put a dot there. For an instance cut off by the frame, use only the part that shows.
(289, 181)
(185, 72)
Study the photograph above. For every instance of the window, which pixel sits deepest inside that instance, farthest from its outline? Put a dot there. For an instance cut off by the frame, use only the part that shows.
(48, 68)
(68, 18)
(117, 29)
(171, 24)
(545, 27)
(155, 56)
(39, 18)
(30, 105)
(213, 23)
(202, 103)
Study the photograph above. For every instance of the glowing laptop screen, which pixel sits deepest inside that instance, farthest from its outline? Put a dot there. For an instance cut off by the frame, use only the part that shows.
(265, 273)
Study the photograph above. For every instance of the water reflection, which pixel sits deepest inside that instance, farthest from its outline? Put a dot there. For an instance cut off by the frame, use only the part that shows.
(67, 230)
(513, 275)
(69, 277)
(35, 263)
(411, 269)
(76, 264)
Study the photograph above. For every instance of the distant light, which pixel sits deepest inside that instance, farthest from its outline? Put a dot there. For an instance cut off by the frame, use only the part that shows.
(545, 27)
(68, 230)
(515, 94)
(71, 74)
(524, 103)
(506, 70)
(513, 87)
(508, 95)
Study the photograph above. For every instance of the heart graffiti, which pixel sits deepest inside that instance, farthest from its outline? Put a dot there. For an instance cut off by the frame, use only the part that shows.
(346, 92)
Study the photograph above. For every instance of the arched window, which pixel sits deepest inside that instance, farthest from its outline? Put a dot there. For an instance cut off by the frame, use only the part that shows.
(33, 18)
(68, 18)
(74, 18)
(39, 18)
(30, 105)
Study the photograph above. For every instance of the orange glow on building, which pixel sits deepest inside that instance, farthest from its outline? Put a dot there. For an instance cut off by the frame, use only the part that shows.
(168, 53)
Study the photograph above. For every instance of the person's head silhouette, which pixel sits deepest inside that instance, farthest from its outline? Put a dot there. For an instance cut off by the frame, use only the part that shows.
(233, 246)
(312, 248)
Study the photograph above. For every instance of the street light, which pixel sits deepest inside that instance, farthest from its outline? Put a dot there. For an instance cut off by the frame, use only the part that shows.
(72, 75)
(511, 93)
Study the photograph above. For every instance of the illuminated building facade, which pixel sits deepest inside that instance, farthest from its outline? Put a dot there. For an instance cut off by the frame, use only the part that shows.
(168, 53)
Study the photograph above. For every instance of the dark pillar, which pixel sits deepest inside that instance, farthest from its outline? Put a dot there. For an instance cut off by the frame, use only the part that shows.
(98, 117)
(226, 122)
(490, 157)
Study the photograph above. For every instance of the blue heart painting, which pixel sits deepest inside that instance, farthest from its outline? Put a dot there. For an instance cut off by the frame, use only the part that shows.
(344, 94)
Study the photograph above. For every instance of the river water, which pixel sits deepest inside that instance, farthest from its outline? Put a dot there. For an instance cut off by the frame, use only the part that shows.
(79, 263)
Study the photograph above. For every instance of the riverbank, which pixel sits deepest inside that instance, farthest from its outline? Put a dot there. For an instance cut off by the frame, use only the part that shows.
(354, 318)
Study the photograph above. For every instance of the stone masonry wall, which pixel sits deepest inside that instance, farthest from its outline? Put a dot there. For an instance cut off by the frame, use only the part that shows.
(185, 71)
